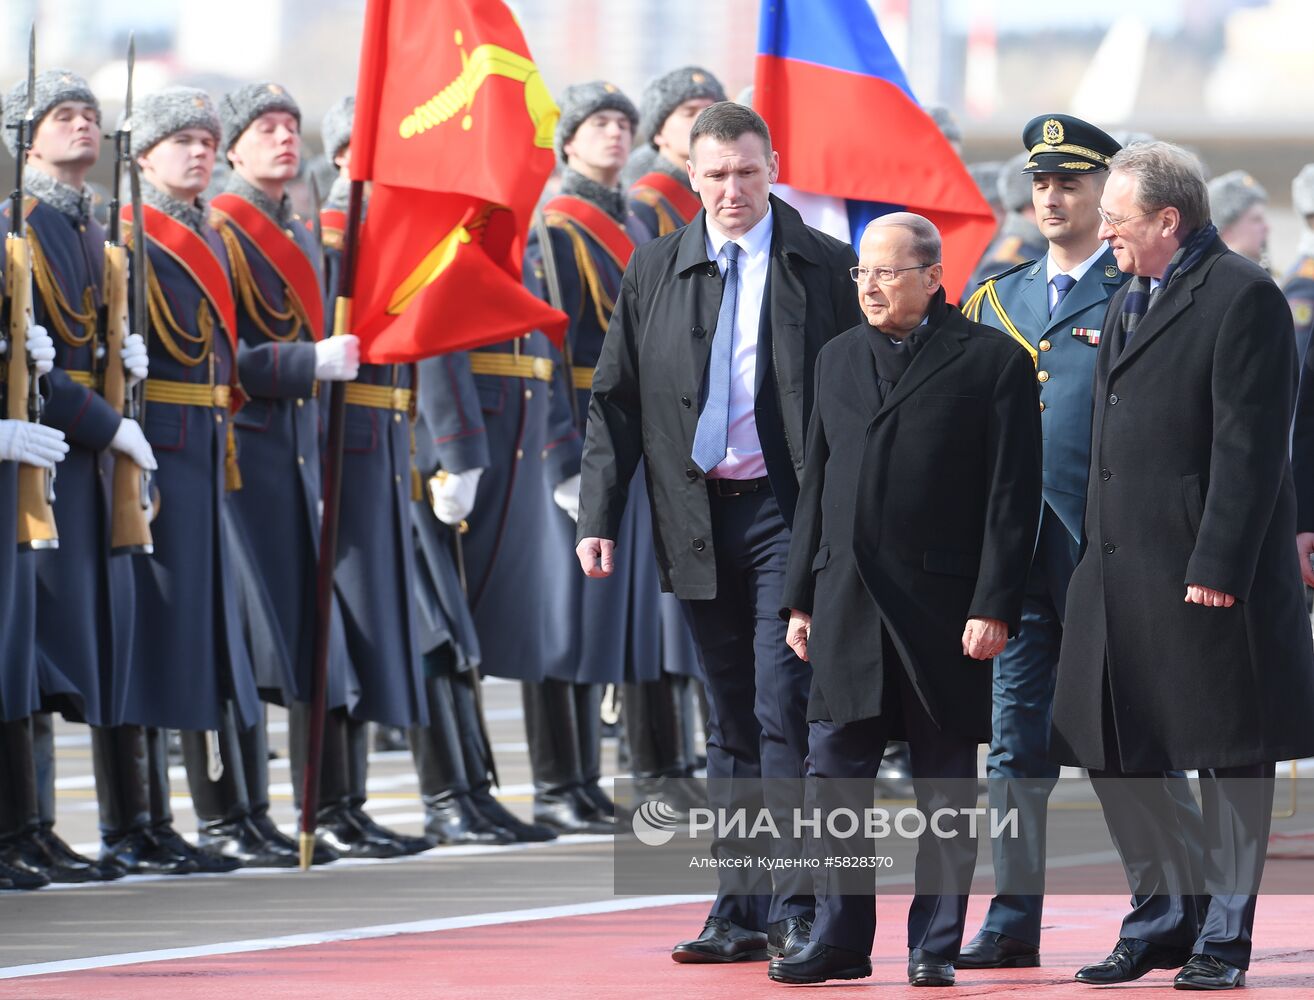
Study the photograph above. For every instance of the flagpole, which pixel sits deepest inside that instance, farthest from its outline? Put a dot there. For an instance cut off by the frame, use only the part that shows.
(328, 538)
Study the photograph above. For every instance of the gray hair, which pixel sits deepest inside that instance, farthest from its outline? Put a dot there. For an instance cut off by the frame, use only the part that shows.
(925, 237)
(726, 121)
(1166, 176)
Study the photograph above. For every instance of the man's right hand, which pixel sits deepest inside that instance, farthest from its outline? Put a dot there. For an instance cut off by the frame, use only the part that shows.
(596, 556)
(798, 633)
(337, 359)
(129, 440)
(31, 444)
(1305, 548)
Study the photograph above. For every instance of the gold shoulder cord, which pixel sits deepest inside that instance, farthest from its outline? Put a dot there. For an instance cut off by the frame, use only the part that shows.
(57, 306)
(602, 302)
(972, 310)
(653, 199)
(255, 303)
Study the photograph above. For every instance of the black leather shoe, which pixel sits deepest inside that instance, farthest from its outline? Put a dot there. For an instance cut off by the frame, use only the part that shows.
(500, 816)
(138, 853)
(788, 937)
(989, 950)
(323, 854)
(721, 941)
(1205, 972)
(239, 844)
(451, 819)
(565, 813)
(21, 877)
(208, 858)
(55, 846)
(338, 829)
(925, 968)
(598, 799)
(1132, 958)
(407, 843)
(29, 852)
(817, 963)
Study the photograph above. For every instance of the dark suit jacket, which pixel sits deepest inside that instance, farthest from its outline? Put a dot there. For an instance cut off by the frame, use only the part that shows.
(917, 513)
(652, 370)
(1190, 483)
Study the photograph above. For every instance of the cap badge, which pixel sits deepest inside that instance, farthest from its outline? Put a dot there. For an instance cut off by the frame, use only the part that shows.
(274, 88)
(609, 88)
(1052, 132)
(698, 78)
(1110, 271)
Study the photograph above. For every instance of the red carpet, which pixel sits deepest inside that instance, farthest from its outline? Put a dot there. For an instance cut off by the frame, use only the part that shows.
(626, 955)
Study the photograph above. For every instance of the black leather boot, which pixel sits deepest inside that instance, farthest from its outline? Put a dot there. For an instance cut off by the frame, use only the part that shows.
(122, 768)
(588, 729)
(660, 772)
(559, 800)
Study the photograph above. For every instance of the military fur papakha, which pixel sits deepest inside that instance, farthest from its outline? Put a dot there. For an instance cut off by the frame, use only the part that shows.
(667, 92)
(1231, 195)
(336, 129)
(159, 115)
(53, 87)
(244, 105)
(580, 100)
(1302, 190)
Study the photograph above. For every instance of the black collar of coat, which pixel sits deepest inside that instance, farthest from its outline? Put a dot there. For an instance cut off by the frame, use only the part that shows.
(940, 345)
(1173, 299)
(789, 235)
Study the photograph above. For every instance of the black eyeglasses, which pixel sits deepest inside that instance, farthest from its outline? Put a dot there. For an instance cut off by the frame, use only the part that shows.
(883, 275)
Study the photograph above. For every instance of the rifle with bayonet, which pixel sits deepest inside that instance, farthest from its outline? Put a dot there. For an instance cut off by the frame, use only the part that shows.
(130, 518)
(36, 487)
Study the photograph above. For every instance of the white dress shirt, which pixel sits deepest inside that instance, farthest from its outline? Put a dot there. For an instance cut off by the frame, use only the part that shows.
(1052, 271)
(743, 453)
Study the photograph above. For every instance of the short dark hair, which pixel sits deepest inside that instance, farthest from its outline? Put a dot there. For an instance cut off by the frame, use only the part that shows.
(726, 121)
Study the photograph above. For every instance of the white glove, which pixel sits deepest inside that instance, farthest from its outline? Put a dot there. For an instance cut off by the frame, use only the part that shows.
(566, 496)
(135, 360)
(31, 444)
(337, 359)
(40, 348)
(130, 441)
(452, 494)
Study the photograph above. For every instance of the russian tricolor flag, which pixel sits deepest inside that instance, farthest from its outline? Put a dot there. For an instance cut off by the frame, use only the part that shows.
(847, 125)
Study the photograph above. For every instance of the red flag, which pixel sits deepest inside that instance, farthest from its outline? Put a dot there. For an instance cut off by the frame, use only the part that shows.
(454, 128)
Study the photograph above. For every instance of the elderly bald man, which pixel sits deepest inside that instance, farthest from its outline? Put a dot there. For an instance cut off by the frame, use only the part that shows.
(907, 570)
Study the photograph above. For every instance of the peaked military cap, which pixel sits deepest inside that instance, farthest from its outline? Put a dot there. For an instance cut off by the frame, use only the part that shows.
(1062, 144)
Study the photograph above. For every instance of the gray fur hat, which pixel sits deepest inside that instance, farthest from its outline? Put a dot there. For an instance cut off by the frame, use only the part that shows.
(583, 99)
(945, 121)
(1302, 190)
(986, 174)
(336, 130)
(244, 105)
(1014, 185)
(54, 86)
(667, 92)
(1231, 195)
(159, 115)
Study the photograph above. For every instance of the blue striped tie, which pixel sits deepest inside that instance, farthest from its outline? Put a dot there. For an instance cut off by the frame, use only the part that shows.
(709, 444)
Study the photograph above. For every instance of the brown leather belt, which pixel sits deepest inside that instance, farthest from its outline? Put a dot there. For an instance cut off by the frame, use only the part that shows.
(738, 487)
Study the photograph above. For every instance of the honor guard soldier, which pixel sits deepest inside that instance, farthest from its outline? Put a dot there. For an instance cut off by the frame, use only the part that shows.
(276, 264)
(662, 197)
(1018, 239)
(20, 697)
(608, 633)
(83, 658)
(375, 576)
(191, 669)
(1298, 286)
(1238, 206)
(1054, 307)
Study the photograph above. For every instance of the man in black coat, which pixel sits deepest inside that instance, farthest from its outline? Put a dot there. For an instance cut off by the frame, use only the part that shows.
(1187, 645)
(717, 409)
(911, 546)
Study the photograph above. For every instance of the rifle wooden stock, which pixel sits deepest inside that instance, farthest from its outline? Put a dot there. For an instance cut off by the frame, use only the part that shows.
(130, 527)
(36, 517)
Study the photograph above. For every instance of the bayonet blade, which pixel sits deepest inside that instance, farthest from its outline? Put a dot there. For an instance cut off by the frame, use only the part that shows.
(132, 62)
(316, 205)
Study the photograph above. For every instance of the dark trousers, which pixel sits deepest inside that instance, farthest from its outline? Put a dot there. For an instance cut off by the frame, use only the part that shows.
(757, 691)
(853, 750)
(1021, 774)
(1194, 875)
(242, 789)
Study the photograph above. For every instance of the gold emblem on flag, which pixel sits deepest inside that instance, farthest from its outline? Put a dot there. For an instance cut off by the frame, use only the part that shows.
(459, 95)
(1052, 132)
